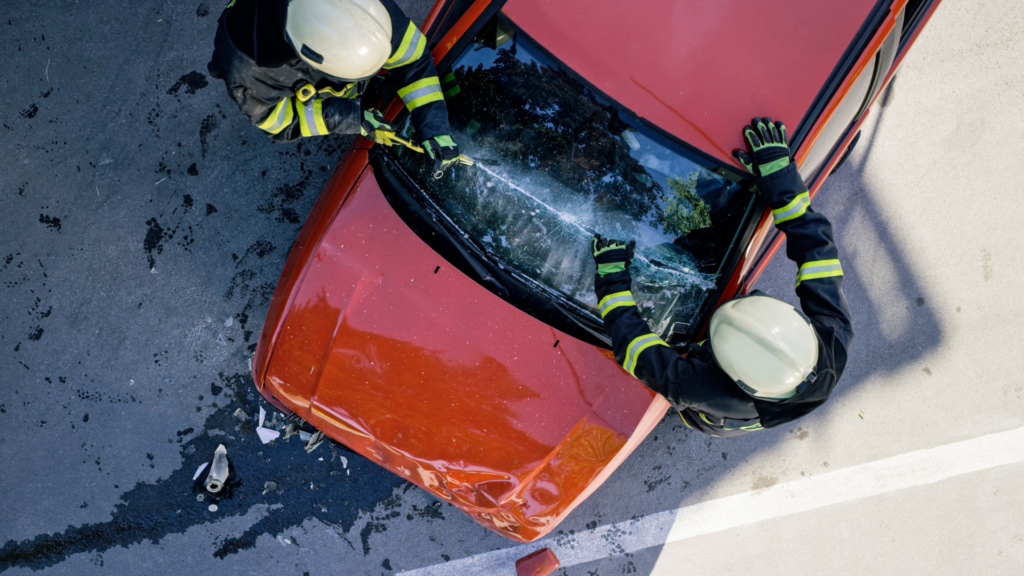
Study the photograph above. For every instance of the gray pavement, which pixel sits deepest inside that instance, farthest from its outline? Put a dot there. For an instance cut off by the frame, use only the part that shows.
(145, 224)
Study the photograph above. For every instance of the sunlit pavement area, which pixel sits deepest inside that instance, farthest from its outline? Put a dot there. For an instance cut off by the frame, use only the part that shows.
(144, 227)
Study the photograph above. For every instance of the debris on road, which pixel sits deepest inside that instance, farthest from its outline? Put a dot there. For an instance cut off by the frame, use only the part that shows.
(200, 497)
(200, 471)
(218, 471)
(540, 563)
(268, 487)
(266, 434)
(212, 508)
(240, 415)
(314, 441)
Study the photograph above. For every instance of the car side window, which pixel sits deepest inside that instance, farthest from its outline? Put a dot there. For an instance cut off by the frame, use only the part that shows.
(863, 91)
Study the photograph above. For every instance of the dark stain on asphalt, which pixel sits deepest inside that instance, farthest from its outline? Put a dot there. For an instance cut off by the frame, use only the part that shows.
(211, 209)
(30, 112)
(306, 488)
(208, 125)
(153, 243)
(51, 222)
(192, 81)
(283, 200)
(203, 11)
(36, 334)
(192, 170)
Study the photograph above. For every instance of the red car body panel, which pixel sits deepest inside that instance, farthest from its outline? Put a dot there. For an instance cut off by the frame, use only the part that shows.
(376, 340)
(391, 350)
(699, 70)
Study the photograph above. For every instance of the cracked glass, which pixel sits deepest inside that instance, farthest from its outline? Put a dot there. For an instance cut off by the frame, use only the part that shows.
(556, 162)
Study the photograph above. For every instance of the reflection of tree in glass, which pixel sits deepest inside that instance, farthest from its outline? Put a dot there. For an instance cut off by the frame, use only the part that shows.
(550, 122)
(685, 210)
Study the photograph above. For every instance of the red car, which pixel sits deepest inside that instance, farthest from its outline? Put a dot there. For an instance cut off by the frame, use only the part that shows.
(448, 328)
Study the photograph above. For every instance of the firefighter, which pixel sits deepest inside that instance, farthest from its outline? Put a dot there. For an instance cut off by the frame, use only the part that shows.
(764, 363)
(298, 68)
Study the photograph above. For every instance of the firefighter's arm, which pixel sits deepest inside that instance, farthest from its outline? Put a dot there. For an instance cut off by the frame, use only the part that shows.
(637, 349)
(809, 239)
(810, 243)
(411, 71)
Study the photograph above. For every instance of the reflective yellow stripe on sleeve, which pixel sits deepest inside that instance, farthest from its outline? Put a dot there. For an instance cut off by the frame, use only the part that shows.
(794, 209)
(410, 50)
(613, 301)
(279, 117)
(311, 118)
(818, 269)
(421, 92)
(638, 345)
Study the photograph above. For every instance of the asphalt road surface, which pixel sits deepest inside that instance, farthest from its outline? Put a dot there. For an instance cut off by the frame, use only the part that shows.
(143, 225)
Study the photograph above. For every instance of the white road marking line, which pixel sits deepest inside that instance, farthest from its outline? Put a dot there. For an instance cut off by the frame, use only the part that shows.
(845, 485)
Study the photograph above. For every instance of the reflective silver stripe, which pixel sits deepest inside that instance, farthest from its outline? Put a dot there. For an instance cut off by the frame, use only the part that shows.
(637, 346)
(279, 117)
(421, 92)
(413, 50)
(805, 271)
(311, 119)
(608, 303)
(795, 208)
(819, 269)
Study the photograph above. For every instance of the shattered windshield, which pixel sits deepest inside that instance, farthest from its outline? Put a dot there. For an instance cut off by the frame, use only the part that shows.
(557, 162)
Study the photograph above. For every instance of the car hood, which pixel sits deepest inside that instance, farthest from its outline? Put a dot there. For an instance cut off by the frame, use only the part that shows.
(392, 350)
(700, 70)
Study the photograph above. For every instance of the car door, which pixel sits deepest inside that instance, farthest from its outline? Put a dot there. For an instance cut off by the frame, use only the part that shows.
(821, 142)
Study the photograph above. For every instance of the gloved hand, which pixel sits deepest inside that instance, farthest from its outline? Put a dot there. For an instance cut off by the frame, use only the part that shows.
(443, 151)
(610, 255)
(770, 145)
(376, 128)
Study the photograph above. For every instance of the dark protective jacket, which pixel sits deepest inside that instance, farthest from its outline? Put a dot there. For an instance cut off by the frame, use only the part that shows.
(263, 76)
(706, 397)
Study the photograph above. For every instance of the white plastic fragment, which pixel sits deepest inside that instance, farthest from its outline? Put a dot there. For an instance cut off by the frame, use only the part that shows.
(303, 435)
(344, 461)
(267, 435)
(263, 416)
(218, 470)
(212, 508)
(200, 471)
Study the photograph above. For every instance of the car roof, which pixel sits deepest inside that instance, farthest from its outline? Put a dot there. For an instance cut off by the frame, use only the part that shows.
(699, 70)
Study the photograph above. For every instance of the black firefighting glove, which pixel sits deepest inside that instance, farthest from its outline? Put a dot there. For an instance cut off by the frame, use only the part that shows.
(770, 145)
(443, 151)
(376, 128)
(611, 256)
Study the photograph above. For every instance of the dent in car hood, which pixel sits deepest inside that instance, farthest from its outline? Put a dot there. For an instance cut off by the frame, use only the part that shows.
(411, 363)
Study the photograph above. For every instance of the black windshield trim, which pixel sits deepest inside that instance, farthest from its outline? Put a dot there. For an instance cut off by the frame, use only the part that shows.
(841, 70)
(414, 206)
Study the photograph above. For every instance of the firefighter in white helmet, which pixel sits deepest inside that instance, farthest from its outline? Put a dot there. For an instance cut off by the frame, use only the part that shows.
(764, 363)
(298, 69)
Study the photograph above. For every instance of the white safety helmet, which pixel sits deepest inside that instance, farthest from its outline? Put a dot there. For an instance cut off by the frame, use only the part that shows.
(768, 347)
(346, 39)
